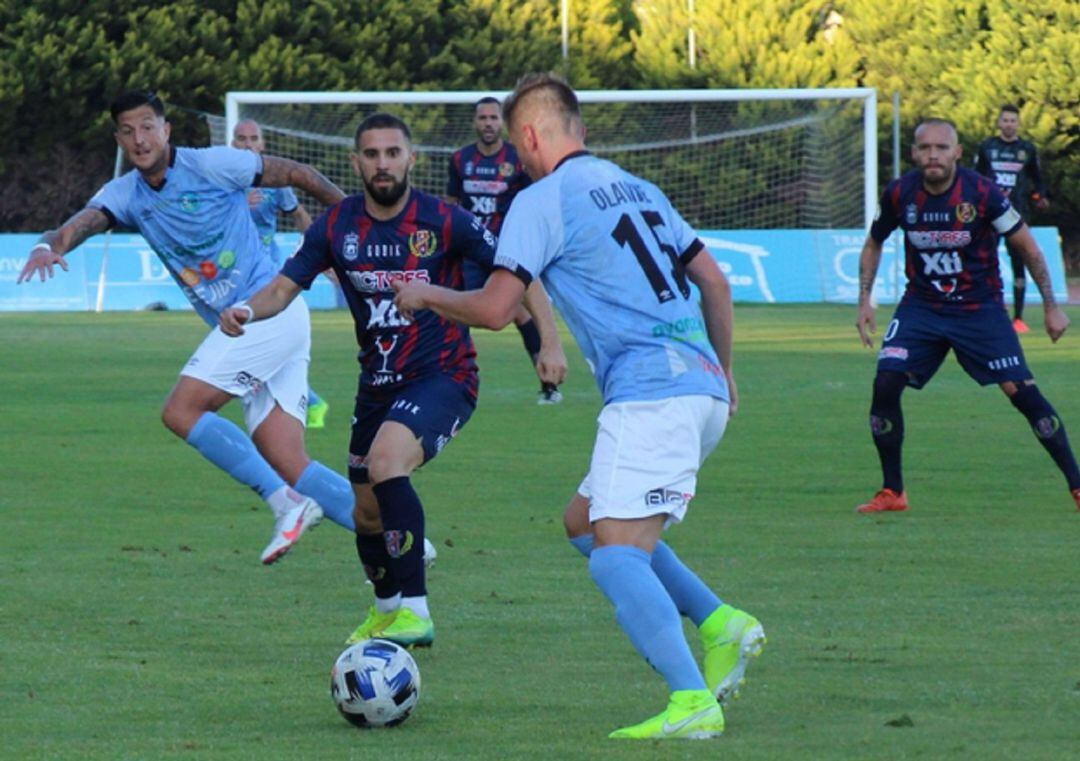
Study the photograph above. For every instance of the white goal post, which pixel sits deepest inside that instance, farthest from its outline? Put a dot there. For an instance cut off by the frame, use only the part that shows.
(728, 159)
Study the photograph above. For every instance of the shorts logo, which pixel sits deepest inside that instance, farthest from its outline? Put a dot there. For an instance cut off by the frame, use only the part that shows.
(357, 461)
(422, 243)
(911, 214)
(246, 379)
(1004, 362)
(351, 247)
(966, 213)
(893, 352)
(398, 542)
(667, 498)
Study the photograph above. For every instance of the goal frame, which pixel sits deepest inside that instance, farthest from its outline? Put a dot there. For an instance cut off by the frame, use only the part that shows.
(868, 95)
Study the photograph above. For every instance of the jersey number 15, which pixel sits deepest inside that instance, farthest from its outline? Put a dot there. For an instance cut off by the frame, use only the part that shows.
(626, 234)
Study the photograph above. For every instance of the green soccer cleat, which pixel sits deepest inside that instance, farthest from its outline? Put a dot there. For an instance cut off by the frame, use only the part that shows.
(371, 626)
(409, 630)
(690, 715)
(731, 638)
(316, 414)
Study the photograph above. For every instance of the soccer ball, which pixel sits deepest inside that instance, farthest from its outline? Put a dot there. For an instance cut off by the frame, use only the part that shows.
(375, 683)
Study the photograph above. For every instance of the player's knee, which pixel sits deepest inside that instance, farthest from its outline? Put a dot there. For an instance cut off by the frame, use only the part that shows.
(576, 517)
(383, 464)
(888, 386)
(177, 419)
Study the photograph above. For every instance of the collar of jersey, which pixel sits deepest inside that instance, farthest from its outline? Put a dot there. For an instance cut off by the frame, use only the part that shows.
(572, 155)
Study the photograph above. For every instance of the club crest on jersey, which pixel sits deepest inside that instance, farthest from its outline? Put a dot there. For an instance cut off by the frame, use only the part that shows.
(1021, 155)
(350, 249)
(468, 167)
(189, 202)
(911, 214)
(965, 212)
(506, 169)
(422, 243)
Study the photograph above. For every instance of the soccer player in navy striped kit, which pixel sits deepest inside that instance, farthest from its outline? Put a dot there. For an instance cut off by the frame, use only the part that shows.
(418, 381)
(485, 177)
(951, 218)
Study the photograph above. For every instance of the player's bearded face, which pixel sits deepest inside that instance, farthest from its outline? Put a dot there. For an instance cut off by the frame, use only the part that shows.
(1009, 124)
(936, 152)
(384, 161)
(488, 123)
(144, 138)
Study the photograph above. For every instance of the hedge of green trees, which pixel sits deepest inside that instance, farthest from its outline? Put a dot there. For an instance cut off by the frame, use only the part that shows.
(61, 61)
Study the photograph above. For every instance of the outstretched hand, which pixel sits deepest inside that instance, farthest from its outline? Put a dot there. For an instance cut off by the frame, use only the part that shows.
(408, 298)
(41, 262)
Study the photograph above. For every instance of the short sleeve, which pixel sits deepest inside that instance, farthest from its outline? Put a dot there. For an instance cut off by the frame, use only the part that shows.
(472, 241)
(527, 242)
(886, 219)
(1003, 216)
(454, 187)
(314, 254)
(227, 167)
(287, 200)
(686, 239)
(113, 200)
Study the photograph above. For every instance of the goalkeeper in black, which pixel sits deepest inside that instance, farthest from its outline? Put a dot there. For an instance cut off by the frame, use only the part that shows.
(1013, 165)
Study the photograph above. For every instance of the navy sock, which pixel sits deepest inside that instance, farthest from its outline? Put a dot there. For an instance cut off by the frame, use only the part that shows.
(530, 336)
(223, 443)
(331, 490)
(403, 531)
(887, 426)
(646, 613)
(1049, 430)
(371, 548)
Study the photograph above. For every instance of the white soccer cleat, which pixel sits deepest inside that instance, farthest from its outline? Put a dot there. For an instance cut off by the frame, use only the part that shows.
(429, 553)
(290, 527)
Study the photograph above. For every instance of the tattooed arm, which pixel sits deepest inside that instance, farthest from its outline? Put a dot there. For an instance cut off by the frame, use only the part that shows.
(54, 244)
(279, 173)
(1056, 319)
(869, 259)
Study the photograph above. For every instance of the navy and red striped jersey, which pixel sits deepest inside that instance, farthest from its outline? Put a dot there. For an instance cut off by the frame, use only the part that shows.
(485, 185)
(950, 240)
(428, 241)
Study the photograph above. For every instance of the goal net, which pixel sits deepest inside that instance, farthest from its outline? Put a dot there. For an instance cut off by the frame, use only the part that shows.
(727, 159)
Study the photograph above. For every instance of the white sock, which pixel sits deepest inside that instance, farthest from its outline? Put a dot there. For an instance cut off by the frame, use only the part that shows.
(417, 605)
(283, 500)
(389, 604)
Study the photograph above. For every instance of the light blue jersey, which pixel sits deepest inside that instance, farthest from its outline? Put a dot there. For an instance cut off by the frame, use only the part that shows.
(198, 223)
(611, 251)
(265, 203)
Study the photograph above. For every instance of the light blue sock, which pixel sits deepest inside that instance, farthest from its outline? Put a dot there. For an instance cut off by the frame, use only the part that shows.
(223, 443)
(689, 593)
(312, 397)
(646, 613)
(331, 490)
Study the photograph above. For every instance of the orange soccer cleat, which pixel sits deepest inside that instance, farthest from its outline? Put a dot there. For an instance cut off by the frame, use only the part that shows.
(1076, 498)
(1020, 326)
(885, 501)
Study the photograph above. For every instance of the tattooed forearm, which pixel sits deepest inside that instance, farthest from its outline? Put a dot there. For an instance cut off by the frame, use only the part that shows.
(868, 266)
(279, 173)
(1036, 265)
(82, 225)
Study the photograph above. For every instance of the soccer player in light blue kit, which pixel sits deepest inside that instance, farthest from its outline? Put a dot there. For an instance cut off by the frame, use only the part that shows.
(191, 206)
(618, 261)
(265, 204)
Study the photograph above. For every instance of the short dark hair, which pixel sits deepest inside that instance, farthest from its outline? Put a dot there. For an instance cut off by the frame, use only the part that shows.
(133, 99)
(930, 121)
(485, 100)
(552, 84)
(1011, 108)
(381, 120)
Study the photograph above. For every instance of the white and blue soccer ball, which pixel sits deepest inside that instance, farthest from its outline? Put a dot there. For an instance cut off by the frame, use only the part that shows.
(375, 683)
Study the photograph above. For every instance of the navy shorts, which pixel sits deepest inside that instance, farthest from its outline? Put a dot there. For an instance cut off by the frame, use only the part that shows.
(984, 340)
(434, 408)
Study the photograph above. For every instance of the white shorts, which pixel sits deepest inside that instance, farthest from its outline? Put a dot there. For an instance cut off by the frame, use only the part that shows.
(647, 455)
(267, 365)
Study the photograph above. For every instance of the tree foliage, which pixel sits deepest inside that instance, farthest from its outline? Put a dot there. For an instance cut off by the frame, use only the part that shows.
(63, 61)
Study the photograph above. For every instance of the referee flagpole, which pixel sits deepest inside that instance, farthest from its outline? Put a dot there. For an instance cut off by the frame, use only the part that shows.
(100, 305)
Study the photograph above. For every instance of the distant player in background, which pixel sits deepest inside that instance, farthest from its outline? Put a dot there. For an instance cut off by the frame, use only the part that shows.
(618, 261)
(485, 176)
(265, 204)
(418, 381)
(191, 206)
(1012, 163)
(952, 218)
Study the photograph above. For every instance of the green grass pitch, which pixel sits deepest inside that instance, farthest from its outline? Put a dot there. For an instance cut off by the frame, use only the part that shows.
(137, 623)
